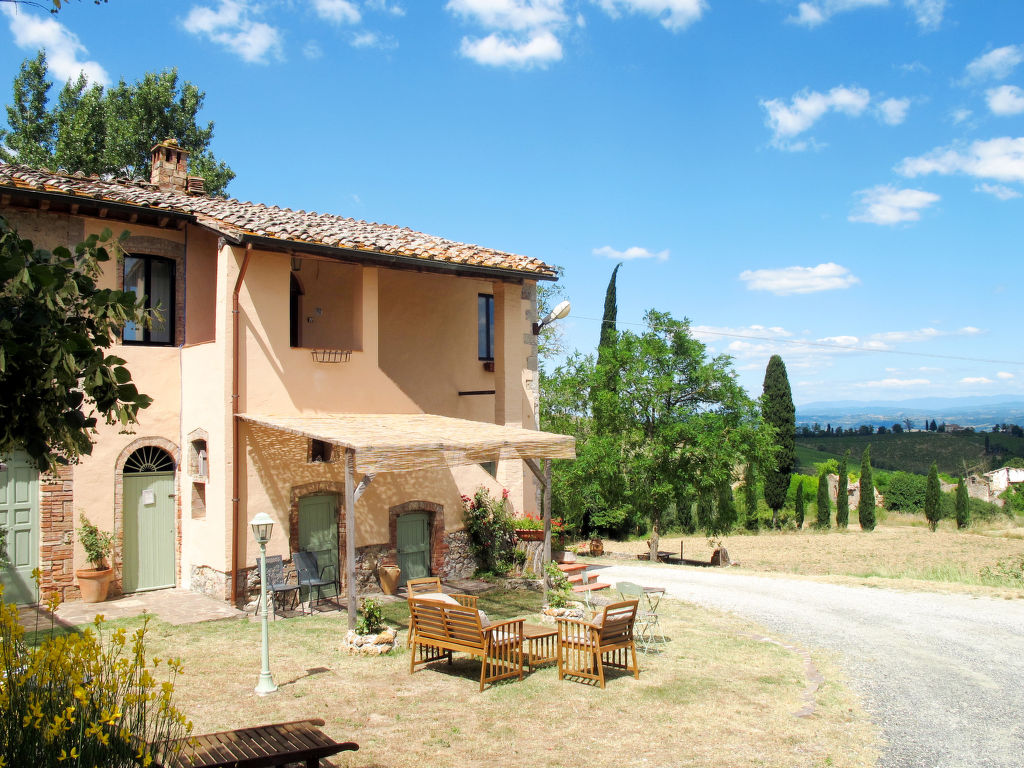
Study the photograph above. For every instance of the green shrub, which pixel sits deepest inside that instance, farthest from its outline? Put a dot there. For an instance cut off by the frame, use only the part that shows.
(559, 588)
(84, 698)
(904, 491)
(491, 529)
(371, 617)
(1013, 497)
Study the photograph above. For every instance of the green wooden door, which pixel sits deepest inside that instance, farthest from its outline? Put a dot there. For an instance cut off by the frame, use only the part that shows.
(413, 546)
(19, 523)
(318, 533)
(148, 531)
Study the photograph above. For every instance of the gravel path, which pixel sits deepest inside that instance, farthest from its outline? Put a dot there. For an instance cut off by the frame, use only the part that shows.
(941, 675)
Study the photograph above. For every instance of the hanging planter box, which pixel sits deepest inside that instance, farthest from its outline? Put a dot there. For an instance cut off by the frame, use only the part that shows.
(530, 534)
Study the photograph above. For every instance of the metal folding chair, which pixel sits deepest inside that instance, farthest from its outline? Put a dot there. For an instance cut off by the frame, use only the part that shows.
(648, 627)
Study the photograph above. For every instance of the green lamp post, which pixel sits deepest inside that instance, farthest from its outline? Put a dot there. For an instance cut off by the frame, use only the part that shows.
(262, 525)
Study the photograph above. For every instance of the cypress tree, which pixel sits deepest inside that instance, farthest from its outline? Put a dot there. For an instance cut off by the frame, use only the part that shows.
(866, 505)
(963, 509)
(777, 408)
(750, 498)
(824, 505)
(705, 510)
(726, 519)
(604, 394)
(933, 498)
(800, 505)
(843, 494)
(611, 314)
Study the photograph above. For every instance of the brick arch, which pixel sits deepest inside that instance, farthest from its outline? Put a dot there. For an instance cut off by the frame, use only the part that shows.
(319, 488)
(438, 545)
(175, 452)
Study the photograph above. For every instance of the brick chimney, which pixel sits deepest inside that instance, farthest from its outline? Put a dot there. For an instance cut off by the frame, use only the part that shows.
(170, 166)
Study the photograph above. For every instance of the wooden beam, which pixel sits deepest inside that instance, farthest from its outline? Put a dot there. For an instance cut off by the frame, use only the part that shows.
(546, 505)
(103, 213)
(163, 220)
(44, 205)
(133, 217)
(350, 535)
(180, 223)
(5, 199)
(74, 209)
(364, 484)
(532, 464)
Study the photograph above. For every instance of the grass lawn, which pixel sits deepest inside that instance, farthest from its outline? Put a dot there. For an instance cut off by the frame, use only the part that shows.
(715, 695)
(903, 548)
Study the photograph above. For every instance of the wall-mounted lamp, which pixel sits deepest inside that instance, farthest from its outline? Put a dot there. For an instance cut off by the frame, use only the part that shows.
(562, 310)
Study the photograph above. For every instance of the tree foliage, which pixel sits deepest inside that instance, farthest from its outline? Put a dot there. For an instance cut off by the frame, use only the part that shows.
(677, 424)
(904, 492)
(753, 522)
(933, 498)
(842, 494)
(107, 131)
(963, 507)
(799, 505)
(56, 379)
(824, 506)
(866, 504)
(778, 410)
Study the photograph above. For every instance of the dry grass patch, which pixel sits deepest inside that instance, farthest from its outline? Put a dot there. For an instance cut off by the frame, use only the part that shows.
(904, 552)
(714, 696)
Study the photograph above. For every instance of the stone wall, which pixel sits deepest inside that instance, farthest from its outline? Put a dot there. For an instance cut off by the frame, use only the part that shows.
(459, 562)
(57, 535)
(209, 581)
(368, 559)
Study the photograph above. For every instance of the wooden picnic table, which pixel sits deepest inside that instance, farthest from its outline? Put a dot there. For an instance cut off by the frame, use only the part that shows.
(265, 746)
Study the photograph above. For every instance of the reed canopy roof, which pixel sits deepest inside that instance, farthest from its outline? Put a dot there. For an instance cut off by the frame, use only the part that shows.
(396, 442)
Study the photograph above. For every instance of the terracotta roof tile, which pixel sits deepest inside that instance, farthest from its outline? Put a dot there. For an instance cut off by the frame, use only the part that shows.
(240, 218)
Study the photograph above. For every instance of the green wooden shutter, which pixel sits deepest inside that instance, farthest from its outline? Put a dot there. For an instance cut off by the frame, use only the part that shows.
(19, 520)
(318, 533)
(413, 546)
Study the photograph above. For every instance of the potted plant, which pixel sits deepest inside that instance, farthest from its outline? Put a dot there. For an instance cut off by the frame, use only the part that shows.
(596, 545)
(94, 582)
(529, 528)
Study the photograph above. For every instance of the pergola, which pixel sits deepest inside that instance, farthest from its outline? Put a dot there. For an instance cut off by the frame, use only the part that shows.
(376, 443)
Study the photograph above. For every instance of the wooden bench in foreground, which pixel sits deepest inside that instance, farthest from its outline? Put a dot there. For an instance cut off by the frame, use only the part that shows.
(265, 746)
(439, 629)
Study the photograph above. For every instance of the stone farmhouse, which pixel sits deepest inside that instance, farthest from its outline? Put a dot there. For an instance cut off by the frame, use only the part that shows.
(299, 356)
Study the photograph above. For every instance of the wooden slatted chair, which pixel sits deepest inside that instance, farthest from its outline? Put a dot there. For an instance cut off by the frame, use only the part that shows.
(440, 629)
(585, 648)
(430, 586)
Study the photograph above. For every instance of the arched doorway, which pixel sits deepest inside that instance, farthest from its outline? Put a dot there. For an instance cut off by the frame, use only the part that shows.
(149, 509)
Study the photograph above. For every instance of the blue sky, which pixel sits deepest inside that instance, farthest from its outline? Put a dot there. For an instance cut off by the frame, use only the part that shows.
(836, 181)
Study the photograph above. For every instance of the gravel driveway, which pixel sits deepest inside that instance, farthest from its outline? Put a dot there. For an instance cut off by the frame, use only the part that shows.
(941, 675)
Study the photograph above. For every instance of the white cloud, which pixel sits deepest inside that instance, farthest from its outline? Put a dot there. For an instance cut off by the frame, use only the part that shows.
(806, 108)
(887, 205)
(969, 330)
(337, 11)
(373, 40)
(927, 13)
(976, 380)
(922, 334)
(998, 191)
(1001, 159)
(893, 111)
(895, 383)
(960, 115)
(996, 64)
(312, 50)
(382, 5)
(230, 25)
(1005, 100)
(496, 50)
(64, 51)
(635, 252)
(673, 14)
(1004, 375)
(789, 280)
(522, 32)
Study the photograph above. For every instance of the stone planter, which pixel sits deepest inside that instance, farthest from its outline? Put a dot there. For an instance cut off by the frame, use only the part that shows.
(94, 583)
(389, 575)
(563, 556)
(530, 534)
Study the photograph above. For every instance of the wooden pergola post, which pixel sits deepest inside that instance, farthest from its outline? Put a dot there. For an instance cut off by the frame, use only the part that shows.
(544, 478)
(350, 534)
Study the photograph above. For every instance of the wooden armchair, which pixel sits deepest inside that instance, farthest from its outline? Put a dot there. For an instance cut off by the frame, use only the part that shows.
(430, 586)
(585, 648)
(438, 629)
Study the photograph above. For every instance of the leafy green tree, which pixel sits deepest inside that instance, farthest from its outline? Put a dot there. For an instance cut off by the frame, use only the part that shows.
(678, 423)
(799, 505)
(866, 504)
(779, 413)
(56, 379)
(824, 506)
(842, 493)
(112, 131)
(905, 492)
(963, 507)
(753, 522)
(725, 512)
(932, 498)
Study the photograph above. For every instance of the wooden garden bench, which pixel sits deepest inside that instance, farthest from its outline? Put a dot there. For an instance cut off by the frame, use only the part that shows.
(265, 746)
(430, 586)
(438, 629)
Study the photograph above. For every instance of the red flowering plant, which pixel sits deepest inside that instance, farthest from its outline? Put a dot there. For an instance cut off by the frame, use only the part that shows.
(491, 530)
(536, 523)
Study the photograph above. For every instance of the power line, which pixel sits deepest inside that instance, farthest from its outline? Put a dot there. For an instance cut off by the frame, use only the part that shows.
(823, 345)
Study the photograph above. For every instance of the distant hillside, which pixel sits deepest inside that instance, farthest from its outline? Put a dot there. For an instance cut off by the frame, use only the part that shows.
(914, 451)
(976, 412)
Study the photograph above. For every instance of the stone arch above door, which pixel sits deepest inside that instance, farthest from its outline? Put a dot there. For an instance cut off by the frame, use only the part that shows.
(438, 544)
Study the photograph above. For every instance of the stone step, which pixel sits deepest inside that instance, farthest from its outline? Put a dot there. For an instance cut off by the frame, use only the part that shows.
(572, 567)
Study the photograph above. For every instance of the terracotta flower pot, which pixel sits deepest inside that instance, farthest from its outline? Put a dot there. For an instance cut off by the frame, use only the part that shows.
(530, 534)
(389, 575)
(94, 583)
(596, 547)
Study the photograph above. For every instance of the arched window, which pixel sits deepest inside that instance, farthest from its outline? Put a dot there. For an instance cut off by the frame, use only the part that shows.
(148, 458)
